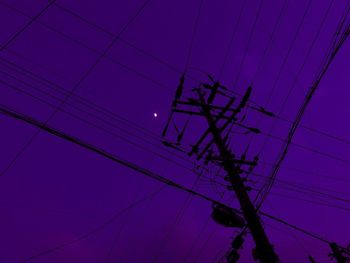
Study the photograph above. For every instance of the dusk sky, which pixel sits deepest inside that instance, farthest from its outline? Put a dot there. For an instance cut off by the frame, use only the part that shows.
(107, 71)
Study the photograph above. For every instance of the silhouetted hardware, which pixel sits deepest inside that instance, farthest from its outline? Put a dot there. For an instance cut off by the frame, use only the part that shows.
(214, 90)
(181, 133)
(233, 160)
(229, 121)
(179, 90)
(262, 110)
(233, 187)
(173, 146)
(207, 132)
(245, 98)
(250, 129)
(194, 102)
(233, 256)
(337, 253)
(201, 114)
(226, 216)
(213, 147)
(311, 259)
(178, 94)
(237, 242)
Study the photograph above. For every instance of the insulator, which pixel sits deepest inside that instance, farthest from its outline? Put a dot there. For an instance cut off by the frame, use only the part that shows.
(237, 242)
(233, 256)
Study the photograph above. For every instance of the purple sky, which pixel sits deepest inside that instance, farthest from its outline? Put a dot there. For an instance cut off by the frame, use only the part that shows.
(56, 192)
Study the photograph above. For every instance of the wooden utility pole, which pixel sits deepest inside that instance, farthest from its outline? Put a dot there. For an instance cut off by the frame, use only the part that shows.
(264, 250)
(216, 150)
(337, 253)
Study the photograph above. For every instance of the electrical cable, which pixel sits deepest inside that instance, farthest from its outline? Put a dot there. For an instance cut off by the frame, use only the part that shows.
(95, 230)
(13, 114)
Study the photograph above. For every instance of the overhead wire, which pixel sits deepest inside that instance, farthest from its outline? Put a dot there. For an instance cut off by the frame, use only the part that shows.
(178, 70)
(5, 110)
(299, 188)
(183, 209)
(333, 52)
(124, 224)
(247, 46)
(21, 117)
(190, 251)
(95, 230)
(128, 132)
(281, 68)
(88, 103)
(290, 48)
(309, 149)
(90, 123)
(111, 59)
(113, 125)
(202, 248)
(314, 202)
(232, 38)
(79, 82)
(137, 137)
(27, 25)
(165, 63)
(268, 48)
(271, 40)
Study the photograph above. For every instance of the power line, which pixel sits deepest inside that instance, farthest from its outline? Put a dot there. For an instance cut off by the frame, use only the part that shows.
(313, 150)
(290, 48)
(271, 40)
(76, 15)
(91, 49)
(299, 186)
(93, 125)
(324, 204)
(194, 32)
(281, 68)
(183, 209)
(252, 31)
(95, 230)
(100, 128)
(302, 189)
(6, 45)
(78, 83)
(107, 113)
(5, 110)
(323, 134)
(33, 19)
(302, 186)
(333, 52)
(233, 35)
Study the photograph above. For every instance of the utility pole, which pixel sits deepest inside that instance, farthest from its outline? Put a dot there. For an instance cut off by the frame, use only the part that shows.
(203, 104)
(337, 253)
(264, 249)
